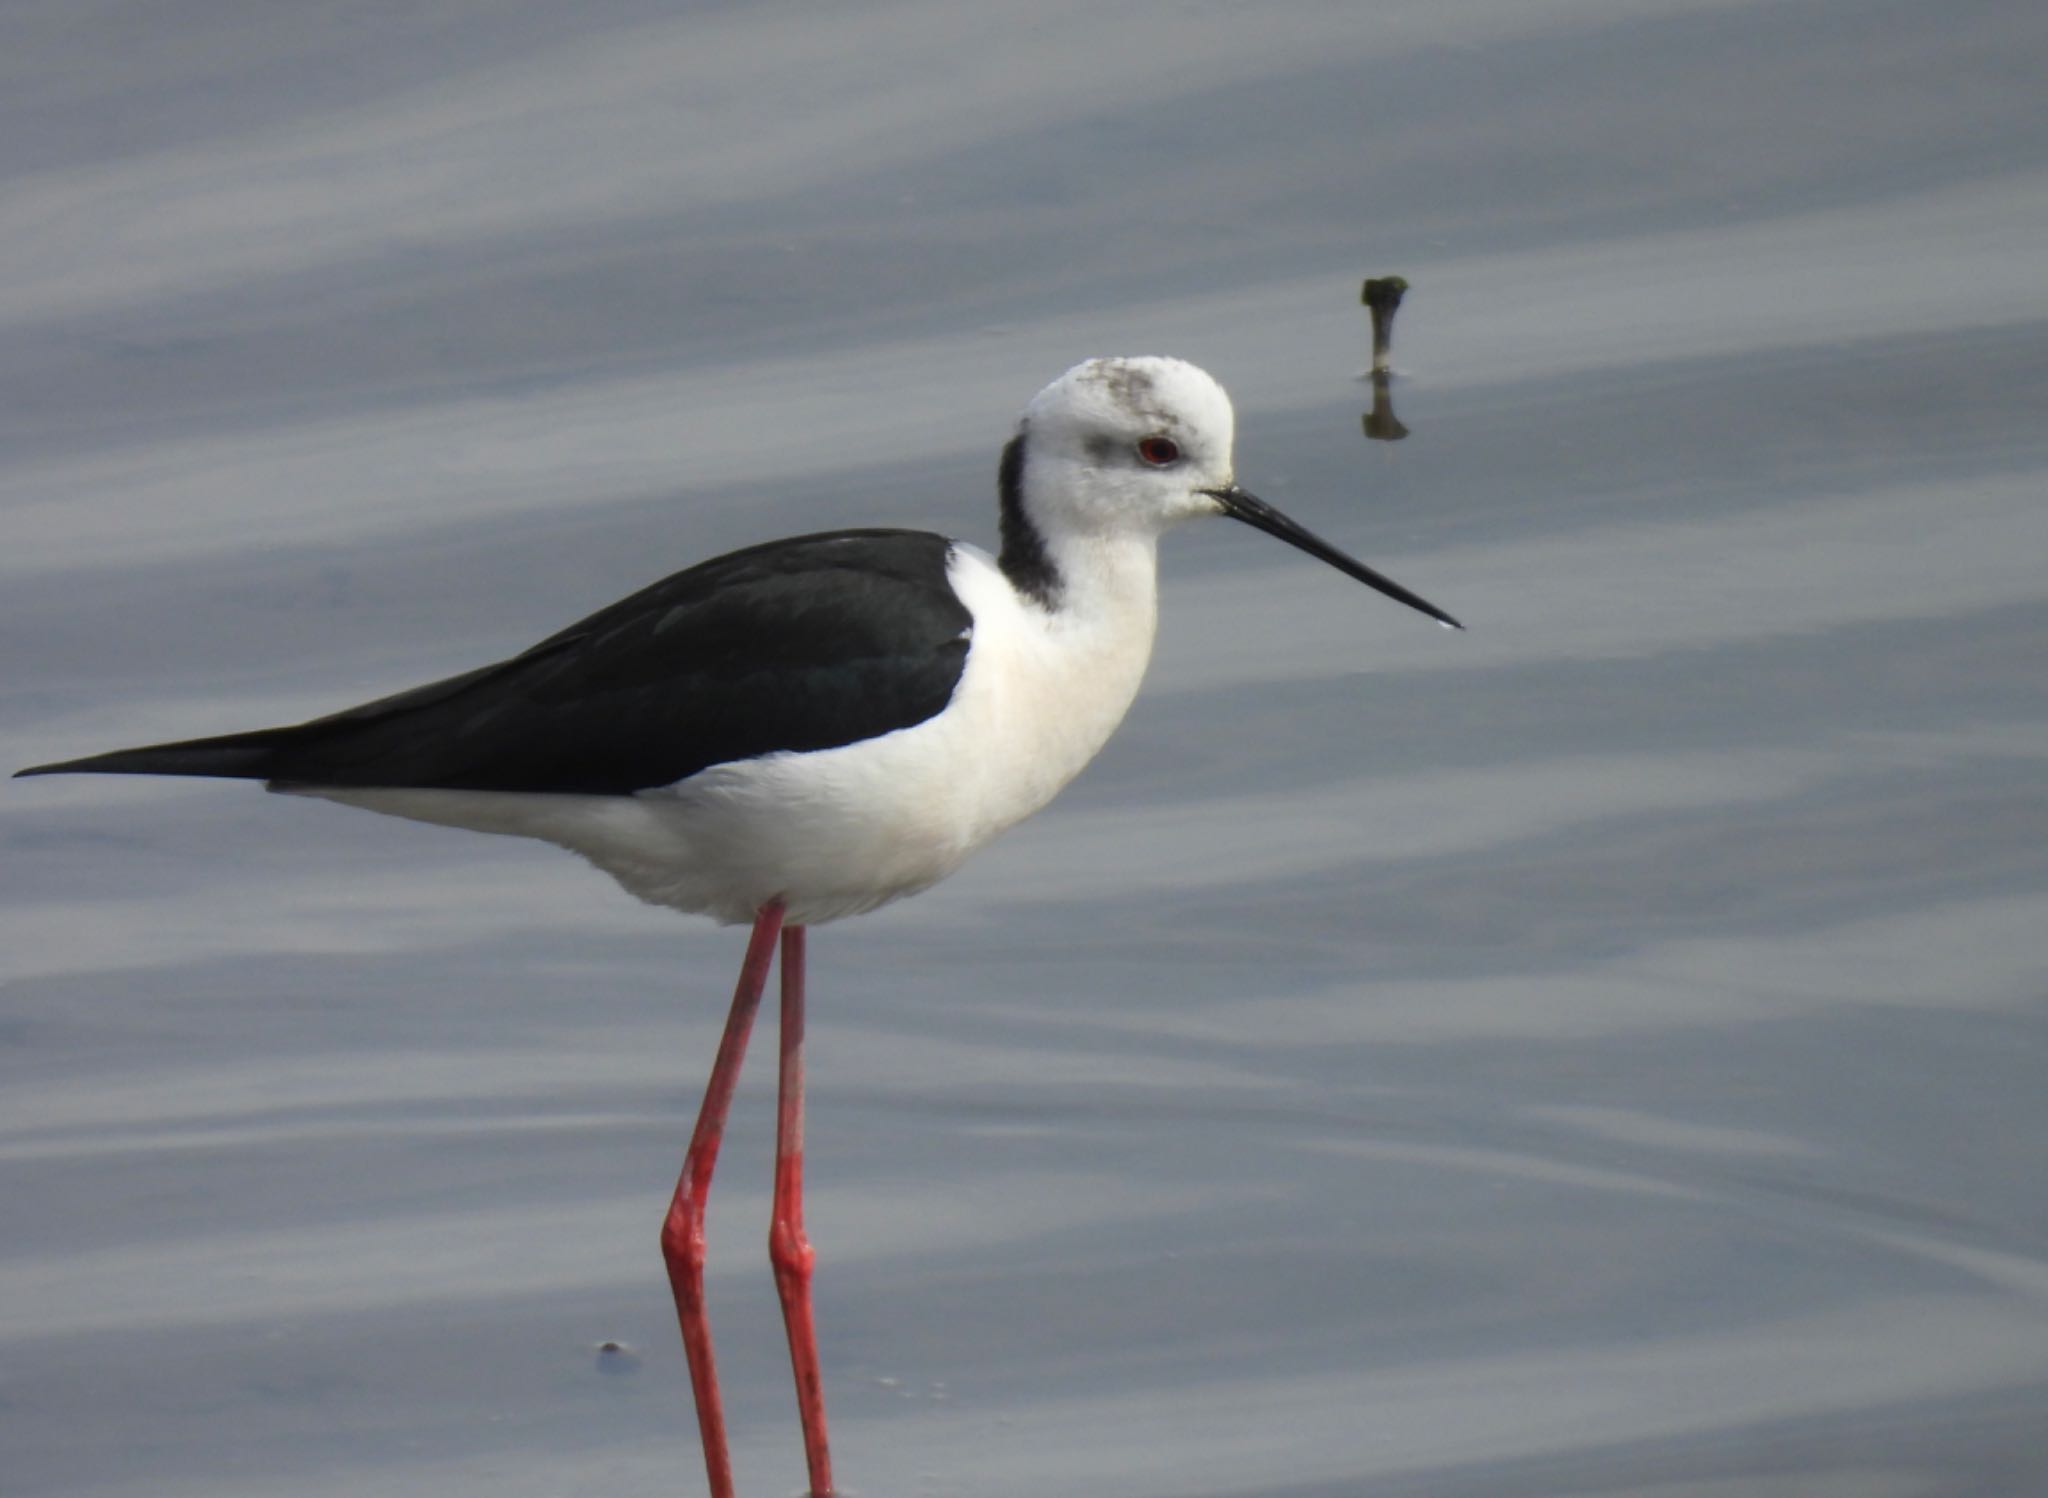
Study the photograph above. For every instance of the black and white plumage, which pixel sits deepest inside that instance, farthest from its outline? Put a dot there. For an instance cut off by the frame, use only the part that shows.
(831, 721)
(804, 730)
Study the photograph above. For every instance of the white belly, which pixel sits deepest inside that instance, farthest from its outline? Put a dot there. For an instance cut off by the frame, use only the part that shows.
(836, 832)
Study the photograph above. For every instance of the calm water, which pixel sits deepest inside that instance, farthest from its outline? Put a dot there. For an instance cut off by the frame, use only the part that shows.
(1600, 1054)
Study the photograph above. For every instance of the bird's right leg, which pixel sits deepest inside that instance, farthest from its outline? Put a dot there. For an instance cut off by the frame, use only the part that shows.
(682, 1232)
(789, 1247)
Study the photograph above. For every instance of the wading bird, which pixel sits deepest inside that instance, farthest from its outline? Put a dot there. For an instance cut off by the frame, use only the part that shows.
(805, 730)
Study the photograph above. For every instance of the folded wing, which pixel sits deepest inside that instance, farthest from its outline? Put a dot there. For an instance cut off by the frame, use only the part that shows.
(802, 644)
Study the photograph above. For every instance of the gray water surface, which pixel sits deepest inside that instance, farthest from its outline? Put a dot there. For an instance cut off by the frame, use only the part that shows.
(1599, 1054)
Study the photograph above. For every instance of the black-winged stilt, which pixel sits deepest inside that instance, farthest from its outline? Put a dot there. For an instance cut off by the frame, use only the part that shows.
(804, 730)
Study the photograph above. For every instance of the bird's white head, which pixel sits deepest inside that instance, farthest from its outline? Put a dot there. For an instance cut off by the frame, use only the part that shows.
(1129, 445)
(1116, 450)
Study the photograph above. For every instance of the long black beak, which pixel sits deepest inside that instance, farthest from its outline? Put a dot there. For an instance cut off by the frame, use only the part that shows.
(1259, 515)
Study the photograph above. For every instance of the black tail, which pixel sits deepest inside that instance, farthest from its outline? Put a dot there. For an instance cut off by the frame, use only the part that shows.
(233, 756)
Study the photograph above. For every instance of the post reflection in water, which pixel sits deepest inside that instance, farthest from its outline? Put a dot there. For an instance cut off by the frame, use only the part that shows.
(1381, 296)
(1380, 423)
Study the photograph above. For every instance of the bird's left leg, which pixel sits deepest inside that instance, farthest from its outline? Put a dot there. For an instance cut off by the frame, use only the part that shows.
(682, 1231)
(789, 1249)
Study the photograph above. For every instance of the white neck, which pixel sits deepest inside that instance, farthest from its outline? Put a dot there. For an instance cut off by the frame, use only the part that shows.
(1107, 583)
(1048, 681)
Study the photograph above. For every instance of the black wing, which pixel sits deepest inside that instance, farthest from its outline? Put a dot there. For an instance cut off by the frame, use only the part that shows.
(808, 643)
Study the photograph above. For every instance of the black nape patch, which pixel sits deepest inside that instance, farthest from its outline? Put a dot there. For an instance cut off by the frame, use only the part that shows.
(1023, 559)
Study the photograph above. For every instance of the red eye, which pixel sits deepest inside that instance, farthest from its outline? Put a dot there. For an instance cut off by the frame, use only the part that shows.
(1158, 451)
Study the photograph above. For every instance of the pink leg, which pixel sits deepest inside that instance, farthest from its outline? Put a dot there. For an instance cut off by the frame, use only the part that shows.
(788, 1248)
(682, 1232)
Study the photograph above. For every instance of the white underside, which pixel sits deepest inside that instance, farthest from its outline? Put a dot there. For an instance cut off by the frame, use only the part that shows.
(840, 831)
